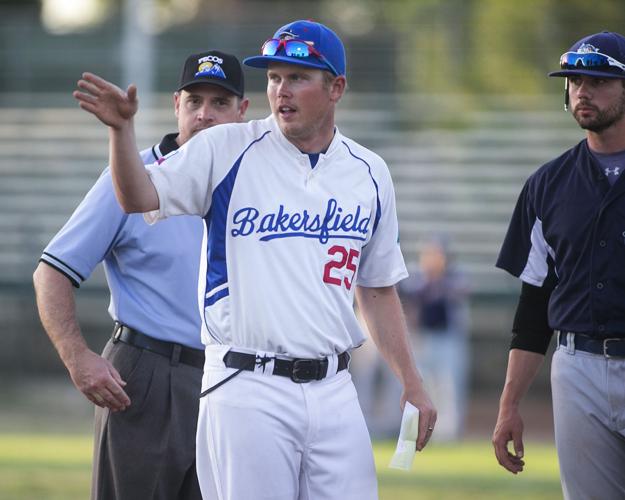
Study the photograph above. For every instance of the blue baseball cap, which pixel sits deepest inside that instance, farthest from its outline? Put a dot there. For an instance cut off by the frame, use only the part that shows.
(326, 49)
(599, 55)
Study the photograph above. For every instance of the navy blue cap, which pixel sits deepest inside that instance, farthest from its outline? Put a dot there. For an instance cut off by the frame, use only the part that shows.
(322, 38)
(606, 43)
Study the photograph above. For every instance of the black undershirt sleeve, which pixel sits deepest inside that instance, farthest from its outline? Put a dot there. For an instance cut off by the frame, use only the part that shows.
(530, 329)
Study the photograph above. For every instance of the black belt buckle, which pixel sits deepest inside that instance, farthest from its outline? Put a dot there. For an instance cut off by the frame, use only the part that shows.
(305, 370)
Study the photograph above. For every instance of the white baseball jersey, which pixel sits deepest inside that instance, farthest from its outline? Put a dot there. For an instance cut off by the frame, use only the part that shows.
(285, 244)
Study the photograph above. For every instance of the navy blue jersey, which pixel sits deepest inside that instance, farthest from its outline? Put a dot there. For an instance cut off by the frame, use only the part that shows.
(568, 230)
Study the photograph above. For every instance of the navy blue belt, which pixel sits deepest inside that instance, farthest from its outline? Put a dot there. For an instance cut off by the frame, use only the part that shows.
(610, 348)
(176, 352)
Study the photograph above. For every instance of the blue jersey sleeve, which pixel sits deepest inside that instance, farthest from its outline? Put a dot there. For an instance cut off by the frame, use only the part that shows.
(89, 234)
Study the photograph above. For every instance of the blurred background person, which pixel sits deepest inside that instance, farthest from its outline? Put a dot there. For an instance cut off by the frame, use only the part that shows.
(435, 300)
(377, 387)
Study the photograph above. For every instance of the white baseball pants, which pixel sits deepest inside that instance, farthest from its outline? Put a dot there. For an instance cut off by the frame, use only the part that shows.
(264, 436)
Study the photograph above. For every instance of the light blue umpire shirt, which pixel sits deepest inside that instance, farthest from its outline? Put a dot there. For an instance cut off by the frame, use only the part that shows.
(152, 271)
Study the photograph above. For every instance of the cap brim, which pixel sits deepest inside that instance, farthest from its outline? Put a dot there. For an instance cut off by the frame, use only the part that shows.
(212, 81)
(570, 72)
(263, 62)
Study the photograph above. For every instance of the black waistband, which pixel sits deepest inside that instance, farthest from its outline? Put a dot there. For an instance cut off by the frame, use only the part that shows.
(298, 370)
(176, 352)
(610, 348)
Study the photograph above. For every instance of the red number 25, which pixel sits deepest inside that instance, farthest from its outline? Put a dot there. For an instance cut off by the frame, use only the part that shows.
(345, 259)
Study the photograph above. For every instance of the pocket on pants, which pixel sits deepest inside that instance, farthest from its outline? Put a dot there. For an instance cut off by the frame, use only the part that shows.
(124, 358)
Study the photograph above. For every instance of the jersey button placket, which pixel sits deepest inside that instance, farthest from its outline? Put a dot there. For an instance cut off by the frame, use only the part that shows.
(309, 178)
(304, 163)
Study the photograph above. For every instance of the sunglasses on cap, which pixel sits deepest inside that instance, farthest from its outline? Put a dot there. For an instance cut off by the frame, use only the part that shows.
(295, 48)
(589, 60)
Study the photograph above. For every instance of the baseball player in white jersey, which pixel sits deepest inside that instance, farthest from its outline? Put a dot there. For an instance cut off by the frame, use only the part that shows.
(299, 220)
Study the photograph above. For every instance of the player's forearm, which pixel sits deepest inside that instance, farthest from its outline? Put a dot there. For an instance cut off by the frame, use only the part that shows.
(522, 369)
(133, 187)
(382, 311)
(57, 311)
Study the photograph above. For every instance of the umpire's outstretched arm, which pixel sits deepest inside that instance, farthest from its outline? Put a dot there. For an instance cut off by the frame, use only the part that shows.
(116, 109)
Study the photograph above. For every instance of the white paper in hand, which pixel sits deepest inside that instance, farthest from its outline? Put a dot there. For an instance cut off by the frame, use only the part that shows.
(406, 443)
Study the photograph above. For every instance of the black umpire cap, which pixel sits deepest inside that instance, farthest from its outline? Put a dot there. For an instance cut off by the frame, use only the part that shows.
(214, 67)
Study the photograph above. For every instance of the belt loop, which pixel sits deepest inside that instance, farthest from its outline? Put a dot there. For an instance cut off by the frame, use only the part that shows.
(117, 331)
(605, 348)
(264, 363)
(570, 343)
(333, 365)
(175, 354)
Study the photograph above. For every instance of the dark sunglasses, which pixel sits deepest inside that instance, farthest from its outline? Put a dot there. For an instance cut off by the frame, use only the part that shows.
(295, 48)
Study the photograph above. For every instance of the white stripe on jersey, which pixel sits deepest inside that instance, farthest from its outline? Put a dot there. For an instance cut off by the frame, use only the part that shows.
(536, 269)
(215, 290)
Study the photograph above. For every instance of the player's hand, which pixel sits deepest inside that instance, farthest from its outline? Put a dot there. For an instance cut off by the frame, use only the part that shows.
(110, 104)
(509, 427)
(420, 399)
(99, 381)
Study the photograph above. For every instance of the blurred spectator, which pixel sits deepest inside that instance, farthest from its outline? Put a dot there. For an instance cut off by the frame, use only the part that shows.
(377, 387)
(436, 306)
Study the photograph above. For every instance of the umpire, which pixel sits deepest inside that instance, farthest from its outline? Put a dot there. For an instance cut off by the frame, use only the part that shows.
(147, 382)
(566, 242)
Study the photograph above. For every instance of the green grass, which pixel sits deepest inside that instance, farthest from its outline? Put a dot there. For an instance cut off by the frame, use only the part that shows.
(58, 467)
(45, 466)
(468, 471)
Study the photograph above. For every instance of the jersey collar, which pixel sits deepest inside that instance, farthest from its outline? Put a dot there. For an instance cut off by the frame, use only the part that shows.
(292, 149)
(166, 146)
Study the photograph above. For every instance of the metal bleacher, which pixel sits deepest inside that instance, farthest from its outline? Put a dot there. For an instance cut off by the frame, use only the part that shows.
(463, 182)
(459, 180)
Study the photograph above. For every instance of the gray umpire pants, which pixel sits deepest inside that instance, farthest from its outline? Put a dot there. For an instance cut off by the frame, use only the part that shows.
(147, 452)
(589, 415)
